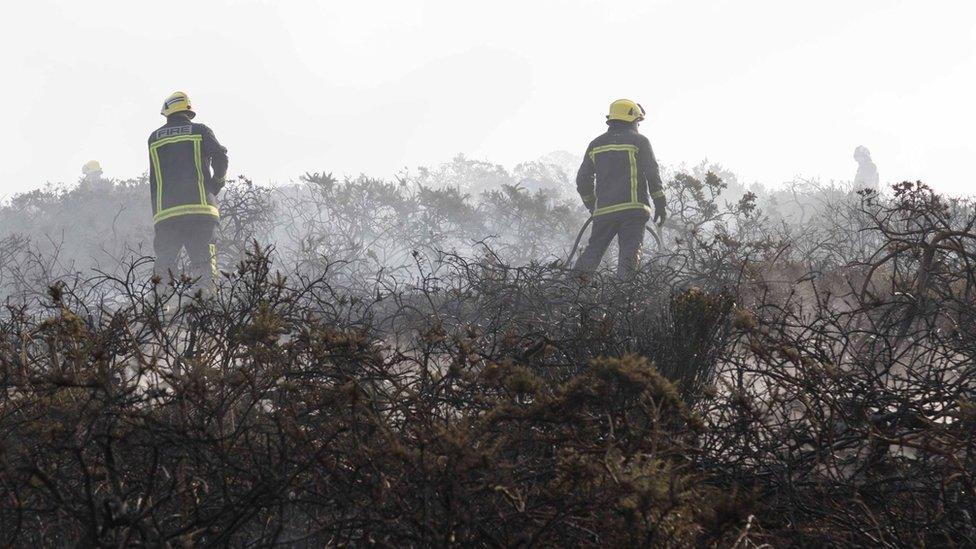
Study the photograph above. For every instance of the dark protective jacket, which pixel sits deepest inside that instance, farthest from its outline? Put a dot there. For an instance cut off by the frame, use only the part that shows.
(619, 172)
(187, 167)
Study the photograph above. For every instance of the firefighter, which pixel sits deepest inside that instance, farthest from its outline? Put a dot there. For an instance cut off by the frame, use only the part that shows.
(92, 170)
(187, 168)
(91, 178)
(618, 181)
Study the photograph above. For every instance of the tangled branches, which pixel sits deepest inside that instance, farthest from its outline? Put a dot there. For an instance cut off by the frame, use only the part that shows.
(757, 383)
(281, 412)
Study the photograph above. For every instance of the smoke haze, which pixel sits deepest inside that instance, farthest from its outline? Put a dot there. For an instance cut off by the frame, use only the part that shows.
(771, 89)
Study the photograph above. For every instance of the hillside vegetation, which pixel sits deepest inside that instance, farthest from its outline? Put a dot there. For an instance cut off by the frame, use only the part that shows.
(410, 363)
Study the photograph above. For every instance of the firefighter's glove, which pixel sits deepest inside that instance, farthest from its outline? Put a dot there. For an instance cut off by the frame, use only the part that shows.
(590, 204)
(660, 210)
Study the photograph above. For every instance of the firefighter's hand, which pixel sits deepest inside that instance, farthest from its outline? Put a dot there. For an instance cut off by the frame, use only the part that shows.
(589, 207)
(660, 211)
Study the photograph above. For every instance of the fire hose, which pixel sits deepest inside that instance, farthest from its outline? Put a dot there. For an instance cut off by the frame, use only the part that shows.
(655, 233)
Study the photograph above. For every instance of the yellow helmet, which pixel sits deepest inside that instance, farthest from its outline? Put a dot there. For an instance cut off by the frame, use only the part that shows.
(91, 167)
(626, 110)
(177, 102)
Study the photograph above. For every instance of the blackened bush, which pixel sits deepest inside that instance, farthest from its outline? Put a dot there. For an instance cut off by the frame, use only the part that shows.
(277, 413)
(412, 381)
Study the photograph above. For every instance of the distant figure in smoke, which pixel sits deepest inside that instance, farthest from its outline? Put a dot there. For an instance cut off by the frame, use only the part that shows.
(617, 181)
(91, 177)
(92, 170)
(187, 169)
(867, 172)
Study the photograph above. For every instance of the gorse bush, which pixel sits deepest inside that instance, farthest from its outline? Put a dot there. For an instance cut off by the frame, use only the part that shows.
(282, 412)
(412, 365)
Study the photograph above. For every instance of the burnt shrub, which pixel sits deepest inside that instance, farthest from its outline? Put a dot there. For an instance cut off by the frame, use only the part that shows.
(414, 365)
(280, 412)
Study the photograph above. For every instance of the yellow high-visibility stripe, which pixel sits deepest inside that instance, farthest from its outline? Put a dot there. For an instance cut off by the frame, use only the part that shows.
(176, 139)
(615, 147)
(203, 207)
(159, 178)
(632, 156)
(621, 207)
(213, 259)
(188, 209)
(635, 203)
(198, 161)
(657, 194)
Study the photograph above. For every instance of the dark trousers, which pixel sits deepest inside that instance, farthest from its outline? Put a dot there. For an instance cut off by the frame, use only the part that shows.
(628, 228)
(197, 236)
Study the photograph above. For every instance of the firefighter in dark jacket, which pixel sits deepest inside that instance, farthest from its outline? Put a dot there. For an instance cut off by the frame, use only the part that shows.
(187, 167)
(618, 181)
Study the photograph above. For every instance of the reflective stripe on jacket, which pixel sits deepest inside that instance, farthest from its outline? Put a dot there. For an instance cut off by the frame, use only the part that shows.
(619, 172)
(181, 157)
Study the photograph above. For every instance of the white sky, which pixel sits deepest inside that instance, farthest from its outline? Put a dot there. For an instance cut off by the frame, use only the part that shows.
(771, 89)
